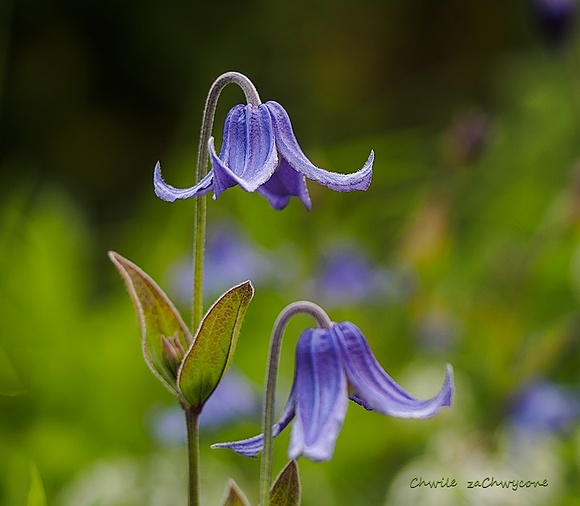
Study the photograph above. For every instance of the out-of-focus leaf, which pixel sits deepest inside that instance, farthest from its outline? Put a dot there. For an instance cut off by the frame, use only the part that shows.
(209, 357)
(158, 319)
(36, 493)
(286, 488)
(234, 495)
(10, 382)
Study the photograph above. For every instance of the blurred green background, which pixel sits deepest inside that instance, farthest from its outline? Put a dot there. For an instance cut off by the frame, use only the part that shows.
(472, 222)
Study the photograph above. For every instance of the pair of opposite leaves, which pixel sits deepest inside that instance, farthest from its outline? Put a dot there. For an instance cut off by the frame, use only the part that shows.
(206, 355)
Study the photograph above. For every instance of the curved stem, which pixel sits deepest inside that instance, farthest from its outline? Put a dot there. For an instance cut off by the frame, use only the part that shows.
(271, 376)
(216, 88)
(200, 216)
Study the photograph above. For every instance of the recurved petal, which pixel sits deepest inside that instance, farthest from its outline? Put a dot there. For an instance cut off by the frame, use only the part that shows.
(375, 389)
(252, 446)
(248, 155)
(290, 150)
(284, 184)
(321, 396)
(169, 193)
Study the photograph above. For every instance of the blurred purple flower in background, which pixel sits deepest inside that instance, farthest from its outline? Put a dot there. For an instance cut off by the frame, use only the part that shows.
(543, 407)
(345, 275)
(260, 153)
(234, 400)
(230, 259)
(556, 19)
(333, 365)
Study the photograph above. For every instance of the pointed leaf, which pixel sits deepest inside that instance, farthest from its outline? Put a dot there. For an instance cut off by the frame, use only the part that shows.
(234, 495)
(286, 488)
(36, 493)
(158, 319)
(209, 357)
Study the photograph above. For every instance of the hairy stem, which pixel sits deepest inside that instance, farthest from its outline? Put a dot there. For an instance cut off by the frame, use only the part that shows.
(271, 377)
(192, 423)
(200, 216)
(199, 233)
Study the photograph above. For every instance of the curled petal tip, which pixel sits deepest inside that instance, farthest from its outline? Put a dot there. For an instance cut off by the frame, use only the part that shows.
(169, 193)
(160, 187)
(367, 171)
(359, 180)
(250, 447)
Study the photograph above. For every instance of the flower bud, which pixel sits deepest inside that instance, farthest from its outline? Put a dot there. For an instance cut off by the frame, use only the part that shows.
(173, 352)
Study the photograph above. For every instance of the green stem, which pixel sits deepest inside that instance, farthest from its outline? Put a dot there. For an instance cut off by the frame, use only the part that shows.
(192, 423)
(199, 233)
(200, 216)
(271, 376)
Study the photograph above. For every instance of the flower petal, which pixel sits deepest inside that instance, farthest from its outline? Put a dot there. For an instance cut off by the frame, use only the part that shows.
(285, 183)
(321, 396)
(233, 147)
(248, 155)
(169, 193)
(375, 389)
(252, 446)
(290, 150)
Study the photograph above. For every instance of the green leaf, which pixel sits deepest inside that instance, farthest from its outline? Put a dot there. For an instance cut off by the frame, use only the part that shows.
(158, 320)
(210, 355)
(10, 382)
(234, 495)
(36, 493)
(286, 488)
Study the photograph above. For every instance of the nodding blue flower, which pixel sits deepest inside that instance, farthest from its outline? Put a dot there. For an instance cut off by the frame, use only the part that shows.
(333, 365)
(260, 153)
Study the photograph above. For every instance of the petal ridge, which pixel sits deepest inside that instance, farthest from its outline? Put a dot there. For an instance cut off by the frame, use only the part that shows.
(321, 396)
(375, 389)
(248, 156)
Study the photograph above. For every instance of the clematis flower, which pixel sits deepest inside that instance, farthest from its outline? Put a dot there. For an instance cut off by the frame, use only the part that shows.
(260, 153)
(333, 365)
